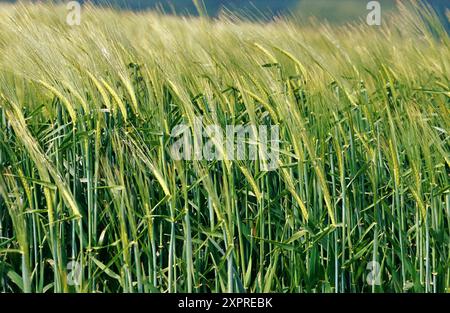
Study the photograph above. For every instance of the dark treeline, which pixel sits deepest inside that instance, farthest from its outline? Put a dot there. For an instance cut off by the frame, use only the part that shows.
(187, 6)
(213, 7)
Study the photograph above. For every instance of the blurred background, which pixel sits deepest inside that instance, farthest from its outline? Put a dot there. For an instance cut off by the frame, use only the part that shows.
(335, 11)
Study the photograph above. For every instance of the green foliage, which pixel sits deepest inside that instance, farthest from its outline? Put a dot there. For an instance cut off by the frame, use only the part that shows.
(86, 114)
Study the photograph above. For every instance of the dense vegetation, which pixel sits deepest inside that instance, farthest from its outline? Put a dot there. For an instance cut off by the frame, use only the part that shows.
(86, 114)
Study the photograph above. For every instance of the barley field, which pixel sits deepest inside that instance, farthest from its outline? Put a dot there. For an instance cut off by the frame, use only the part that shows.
(91, 199)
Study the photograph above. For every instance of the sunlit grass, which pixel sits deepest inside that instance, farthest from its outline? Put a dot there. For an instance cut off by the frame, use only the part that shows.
(86, 114)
